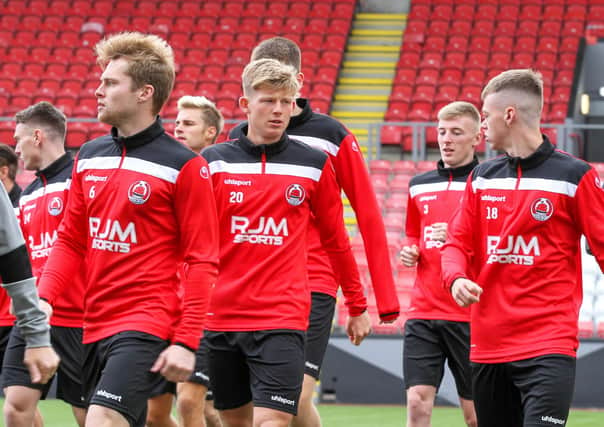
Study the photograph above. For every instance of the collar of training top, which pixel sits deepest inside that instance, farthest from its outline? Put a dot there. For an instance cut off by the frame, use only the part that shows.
(143, 137)
(56, 166)
(539, 156)
(305, 115)
(459, 171)
(252, 148)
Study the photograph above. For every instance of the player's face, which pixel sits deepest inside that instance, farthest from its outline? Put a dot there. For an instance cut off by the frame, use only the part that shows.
(268, 113)
(192, 130)
(457, 139)
(116, 95)
(493, 124)
(27, 146)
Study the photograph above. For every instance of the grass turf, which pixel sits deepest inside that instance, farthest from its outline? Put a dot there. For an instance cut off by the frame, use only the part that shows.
(58, 414)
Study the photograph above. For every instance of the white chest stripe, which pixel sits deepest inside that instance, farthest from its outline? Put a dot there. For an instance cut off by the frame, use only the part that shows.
(146, 167)
(318, 143)
(270, 169)
(541, 184)
(418, 189)
(55, 187)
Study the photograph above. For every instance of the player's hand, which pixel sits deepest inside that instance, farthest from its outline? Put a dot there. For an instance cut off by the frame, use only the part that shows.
(465, 292)
(358, 327)
(42, 363)
(46, 308)
(439, 231)
(409, 255)
(175, 363)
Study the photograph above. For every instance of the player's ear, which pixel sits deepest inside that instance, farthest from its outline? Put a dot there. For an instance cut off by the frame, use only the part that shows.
(244, 103)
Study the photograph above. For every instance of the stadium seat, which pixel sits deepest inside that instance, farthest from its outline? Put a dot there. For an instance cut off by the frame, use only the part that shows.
(391, 135)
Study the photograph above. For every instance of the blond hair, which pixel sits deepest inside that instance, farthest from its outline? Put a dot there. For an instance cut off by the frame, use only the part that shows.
(150, 58)
(209, 113)
(283, 50)
(460, 109)
(269, 73)
(524, 88)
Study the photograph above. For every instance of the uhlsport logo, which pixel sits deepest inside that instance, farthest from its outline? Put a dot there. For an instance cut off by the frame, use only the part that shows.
(204, 172)
(542, 209)
(295, 194)
(139, 192)
(55, 206)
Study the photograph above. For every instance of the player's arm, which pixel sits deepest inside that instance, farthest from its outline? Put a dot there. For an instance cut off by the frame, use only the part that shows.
(195, 209)
(17, 280)
(458, 250)
(326, 205)
(352, 175)
(197, 219)
(68, 251)
(589, 205)
(410, 252)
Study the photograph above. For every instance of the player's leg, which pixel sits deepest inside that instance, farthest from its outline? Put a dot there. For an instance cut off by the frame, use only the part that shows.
(423, 369)
(496, 399)
(124, 379)
(191, 396)
(159, 410)
(455, 338)
(546, 385)
(21, 395)
(190, 403)
(317, 338)
(67, 342)
(229, 378)
(276, 364)
(210, 413)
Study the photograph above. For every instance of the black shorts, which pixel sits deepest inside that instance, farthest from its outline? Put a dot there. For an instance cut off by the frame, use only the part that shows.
(199, 375)
(117, 373)
(319, 329)
(67, 342)
(427, 344)
(4, 335)
(266, 367)
(524, 393)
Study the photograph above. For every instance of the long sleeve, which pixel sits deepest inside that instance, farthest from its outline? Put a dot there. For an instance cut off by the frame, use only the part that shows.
(590, 205)
(412, 223)
(327, 208)
(198, 223)
(68, 251)
(352, 175)
(17, 280)
(459, 247)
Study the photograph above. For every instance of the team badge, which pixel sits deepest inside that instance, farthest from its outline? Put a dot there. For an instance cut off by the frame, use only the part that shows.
(139, 192)
(355, 147)
(542, 209)
(205, 174)
(295, 194)
(599, 183)
(55, 207)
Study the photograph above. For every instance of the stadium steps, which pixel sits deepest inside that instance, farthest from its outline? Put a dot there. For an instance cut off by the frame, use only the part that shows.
(365, 79)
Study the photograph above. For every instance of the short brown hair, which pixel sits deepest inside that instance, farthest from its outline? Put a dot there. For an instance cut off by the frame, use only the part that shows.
(46, 115)
(283, 50)
(10, 159)
(528, 85)
(151, 61)
(210, 114)
(269, 73)
(460, 109)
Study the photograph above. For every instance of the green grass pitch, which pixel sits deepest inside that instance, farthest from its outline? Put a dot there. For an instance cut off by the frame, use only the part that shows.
(58, 414)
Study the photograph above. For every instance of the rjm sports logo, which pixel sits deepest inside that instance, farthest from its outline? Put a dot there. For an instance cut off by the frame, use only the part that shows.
(111, 236)
(266, 231)
(41, 248)
(515, 251)
(430, 244)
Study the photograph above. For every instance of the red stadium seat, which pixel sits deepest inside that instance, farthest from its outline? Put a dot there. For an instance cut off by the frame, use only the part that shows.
(420, 111)
(391, 135)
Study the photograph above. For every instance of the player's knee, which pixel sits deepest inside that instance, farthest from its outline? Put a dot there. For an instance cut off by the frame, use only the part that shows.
(418, 405)
(187, 404)
(15, 410)
(471, 420)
